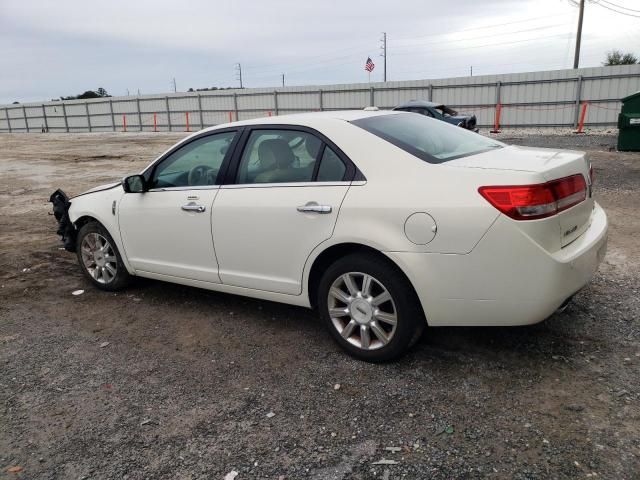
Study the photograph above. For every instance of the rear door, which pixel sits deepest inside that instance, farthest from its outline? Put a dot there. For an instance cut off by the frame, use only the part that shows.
(167, 229)
(286, 189)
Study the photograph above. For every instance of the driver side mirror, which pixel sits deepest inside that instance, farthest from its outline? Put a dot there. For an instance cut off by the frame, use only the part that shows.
(134, 184)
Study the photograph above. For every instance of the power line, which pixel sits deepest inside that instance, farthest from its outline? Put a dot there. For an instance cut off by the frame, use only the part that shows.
(493, 44)
(332, 60)
(271, 67)
(482, 27)
(619, 6)
(617, 11)
(546, 27)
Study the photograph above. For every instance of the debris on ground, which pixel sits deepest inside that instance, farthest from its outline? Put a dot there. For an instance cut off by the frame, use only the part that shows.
(384, 461)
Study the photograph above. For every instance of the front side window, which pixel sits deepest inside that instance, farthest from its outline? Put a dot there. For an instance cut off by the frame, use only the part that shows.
(279, 156)
(195, 164)
(428, 139)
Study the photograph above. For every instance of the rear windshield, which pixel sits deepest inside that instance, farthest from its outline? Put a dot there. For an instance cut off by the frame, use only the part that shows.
(431, 140)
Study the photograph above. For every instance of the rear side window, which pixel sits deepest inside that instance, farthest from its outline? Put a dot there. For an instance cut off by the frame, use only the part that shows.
(428, 139)
(279, 156)
(332, 169)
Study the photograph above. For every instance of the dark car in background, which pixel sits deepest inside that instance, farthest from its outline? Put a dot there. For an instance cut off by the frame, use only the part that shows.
(440, 112)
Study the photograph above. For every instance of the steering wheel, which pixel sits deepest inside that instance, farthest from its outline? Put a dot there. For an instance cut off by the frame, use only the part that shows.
(201, 175)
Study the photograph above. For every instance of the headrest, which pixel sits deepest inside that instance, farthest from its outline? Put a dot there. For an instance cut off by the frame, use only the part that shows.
(275, 153)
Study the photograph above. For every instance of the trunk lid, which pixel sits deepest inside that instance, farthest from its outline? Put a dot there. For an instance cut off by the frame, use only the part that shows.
(545, 164)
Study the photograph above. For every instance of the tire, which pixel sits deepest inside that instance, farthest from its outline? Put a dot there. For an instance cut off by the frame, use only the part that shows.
(100, 259)
(366, 307)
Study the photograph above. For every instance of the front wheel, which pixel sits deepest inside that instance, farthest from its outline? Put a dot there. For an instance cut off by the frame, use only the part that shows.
(369, 307)
(100, 259)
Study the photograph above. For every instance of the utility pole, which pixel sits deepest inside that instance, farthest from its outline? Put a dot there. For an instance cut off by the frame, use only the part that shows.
(383, 47)
(283, 79)
(576, 59)
(471, 69)
(239, 74)
(175, 88)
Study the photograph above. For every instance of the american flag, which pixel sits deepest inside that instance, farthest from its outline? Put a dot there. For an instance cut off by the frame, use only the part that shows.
(369, 66)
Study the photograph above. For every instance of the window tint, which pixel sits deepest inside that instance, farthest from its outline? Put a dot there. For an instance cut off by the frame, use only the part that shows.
(332, 169)
(197, 163)
(428, 139)
(278, 156)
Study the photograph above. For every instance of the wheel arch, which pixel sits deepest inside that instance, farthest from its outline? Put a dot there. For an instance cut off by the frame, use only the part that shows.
(84, 219)
(336, 251)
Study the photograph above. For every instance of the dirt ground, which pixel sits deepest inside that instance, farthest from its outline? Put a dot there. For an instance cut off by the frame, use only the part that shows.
(165, 381)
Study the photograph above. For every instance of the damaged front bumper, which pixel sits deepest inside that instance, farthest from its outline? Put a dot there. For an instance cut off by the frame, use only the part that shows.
(66, 229)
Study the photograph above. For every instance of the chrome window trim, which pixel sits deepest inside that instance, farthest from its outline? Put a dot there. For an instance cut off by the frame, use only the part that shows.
(286, 184)
(180, 189)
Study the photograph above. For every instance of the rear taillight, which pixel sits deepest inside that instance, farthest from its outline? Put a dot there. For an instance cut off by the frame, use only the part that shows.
(529, 202)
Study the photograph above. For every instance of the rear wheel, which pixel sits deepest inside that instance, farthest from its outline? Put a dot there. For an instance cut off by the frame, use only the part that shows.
(100, 259)
(369, 307)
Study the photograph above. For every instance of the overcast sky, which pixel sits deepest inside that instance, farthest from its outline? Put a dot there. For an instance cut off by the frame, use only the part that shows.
(52, 48)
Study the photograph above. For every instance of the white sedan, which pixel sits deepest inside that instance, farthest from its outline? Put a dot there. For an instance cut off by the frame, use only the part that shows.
(384, 221)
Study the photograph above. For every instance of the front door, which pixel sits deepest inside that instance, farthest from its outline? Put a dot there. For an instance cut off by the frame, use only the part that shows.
(284, 202)
(167, 229)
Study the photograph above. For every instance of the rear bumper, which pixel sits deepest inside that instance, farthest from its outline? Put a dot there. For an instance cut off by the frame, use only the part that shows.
(507, 279)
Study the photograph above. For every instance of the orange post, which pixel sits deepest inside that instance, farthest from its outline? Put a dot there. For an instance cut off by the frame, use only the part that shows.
(496, 124)
(269, 113)
(230, 118)
(187, 115)
(583, 114)
(155, 122)
(124, 122)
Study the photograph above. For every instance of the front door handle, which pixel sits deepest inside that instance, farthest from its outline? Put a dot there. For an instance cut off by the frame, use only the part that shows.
(192, 207)
(313, 207)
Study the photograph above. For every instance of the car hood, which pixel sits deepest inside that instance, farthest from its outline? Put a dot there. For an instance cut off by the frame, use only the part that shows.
(100, 188)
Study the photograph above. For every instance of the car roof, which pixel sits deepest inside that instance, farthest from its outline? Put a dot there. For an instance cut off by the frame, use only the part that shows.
(309, 119)
(418, 103)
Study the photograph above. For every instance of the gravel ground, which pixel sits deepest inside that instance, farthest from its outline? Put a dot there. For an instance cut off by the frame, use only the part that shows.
(165, 381)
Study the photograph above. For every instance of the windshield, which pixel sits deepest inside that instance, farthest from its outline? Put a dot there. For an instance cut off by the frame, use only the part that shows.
(428, 139)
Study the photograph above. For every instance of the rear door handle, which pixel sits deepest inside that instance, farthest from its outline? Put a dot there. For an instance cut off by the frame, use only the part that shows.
(313, 207)
(192, 207)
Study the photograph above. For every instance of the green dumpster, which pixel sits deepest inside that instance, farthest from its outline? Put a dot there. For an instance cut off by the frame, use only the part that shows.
(629, 123)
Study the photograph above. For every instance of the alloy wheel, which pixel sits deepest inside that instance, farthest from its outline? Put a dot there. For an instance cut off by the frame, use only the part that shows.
(99, 258)
(362, 310)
